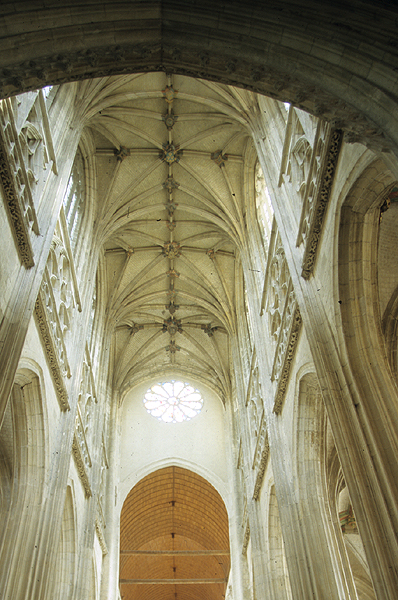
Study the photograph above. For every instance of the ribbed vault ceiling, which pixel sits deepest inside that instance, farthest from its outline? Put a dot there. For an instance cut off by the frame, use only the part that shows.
(179, 514)
(170, 159)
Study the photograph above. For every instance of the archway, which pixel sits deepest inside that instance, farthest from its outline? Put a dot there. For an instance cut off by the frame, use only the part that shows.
(23, 455)
(284, 51)
(174, 541)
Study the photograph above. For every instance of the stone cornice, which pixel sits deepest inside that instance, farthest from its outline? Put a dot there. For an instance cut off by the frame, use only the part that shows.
(51, 354)
(322, 200)
(287, 362)
(81, 469)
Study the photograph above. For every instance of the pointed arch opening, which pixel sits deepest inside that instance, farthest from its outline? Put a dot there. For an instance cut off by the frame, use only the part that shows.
(174, 540)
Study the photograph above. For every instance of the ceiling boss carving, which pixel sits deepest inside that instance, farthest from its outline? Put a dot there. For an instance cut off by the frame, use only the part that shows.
(169, 120)
(172, 326)
(171, 250)
(172, 273)
(172, 347)
(170, 153)
(170, 184)
(219, 158)
(169, 93)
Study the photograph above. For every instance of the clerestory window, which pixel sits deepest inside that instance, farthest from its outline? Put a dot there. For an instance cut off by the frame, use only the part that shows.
(265, 211)
(74, 198)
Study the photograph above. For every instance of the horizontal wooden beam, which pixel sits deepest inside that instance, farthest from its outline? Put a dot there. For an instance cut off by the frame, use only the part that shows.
(170, 581)
(174, 552)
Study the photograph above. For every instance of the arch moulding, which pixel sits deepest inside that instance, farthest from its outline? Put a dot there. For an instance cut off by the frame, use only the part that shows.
(327, 66)
(131, 480)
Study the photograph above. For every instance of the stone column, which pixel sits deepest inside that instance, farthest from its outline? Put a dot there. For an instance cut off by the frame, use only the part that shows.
(368, 459)
(310, 544)
(110, 567)
(239, 574)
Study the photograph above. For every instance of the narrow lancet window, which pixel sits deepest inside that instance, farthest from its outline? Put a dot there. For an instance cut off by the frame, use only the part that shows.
(74, 198)
(265, 213)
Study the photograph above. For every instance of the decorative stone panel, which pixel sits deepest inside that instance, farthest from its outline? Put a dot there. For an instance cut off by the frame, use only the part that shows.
(261, 456)
(84, 429)
(26, 154)
(87, 395)
(287, 343)
(52, 340)
(54, 309)
(314, 212)
(81, 453)
(102, 486)
(284, 319)
(310, 185)
(101, 537)
(309, 158)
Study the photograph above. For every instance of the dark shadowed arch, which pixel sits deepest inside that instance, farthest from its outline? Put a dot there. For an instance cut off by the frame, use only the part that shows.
(337, 62)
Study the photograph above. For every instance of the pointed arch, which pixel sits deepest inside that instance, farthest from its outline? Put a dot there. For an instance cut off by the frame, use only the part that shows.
(322, 547)
(174, 526)
(23, 439)
(67, 550)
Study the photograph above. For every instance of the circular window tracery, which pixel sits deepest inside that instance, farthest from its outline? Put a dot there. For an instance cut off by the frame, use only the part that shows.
(173, 402)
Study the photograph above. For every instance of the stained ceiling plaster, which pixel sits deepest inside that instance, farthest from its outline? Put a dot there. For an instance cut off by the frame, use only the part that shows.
(170, 154)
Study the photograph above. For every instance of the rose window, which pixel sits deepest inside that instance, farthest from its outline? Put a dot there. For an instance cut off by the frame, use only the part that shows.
(173, 402)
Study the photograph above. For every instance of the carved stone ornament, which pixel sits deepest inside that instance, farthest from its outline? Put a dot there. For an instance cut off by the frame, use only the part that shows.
(135, 328)
(101, 537)
(348, 522)
(171, 250)
(171, 307)
(261, 457)
(169, 94)
(21, 235)
(391, 196)
(322, 200)
(172, 347)
(219, 158)
(170, 184)
(172, 326)
(101, 494)
(288, 356)
(246, 538)
(121, 153)
(169, 120)
(20, 207)
(170, 153)
(170, 207)
(172, 273)
(51, 354)
(80, 465)
(129, 57)
(208, 329)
